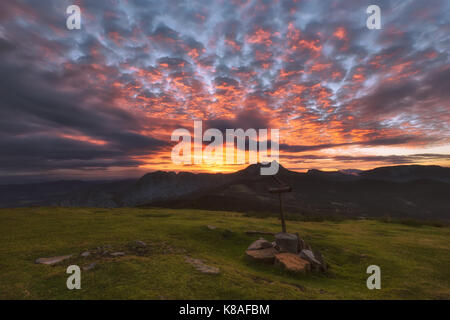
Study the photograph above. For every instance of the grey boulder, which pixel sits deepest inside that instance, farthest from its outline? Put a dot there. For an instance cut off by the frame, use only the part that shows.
(315, 260)
(259, 244)
(287, 242)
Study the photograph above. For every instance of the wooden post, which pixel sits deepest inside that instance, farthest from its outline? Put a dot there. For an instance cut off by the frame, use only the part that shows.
(283, 223)
(281, 189)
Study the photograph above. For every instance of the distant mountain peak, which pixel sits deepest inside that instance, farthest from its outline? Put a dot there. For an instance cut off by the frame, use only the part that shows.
(255, 168)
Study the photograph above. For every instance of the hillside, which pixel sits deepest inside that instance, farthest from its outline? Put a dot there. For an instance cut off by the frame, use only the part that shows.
(419, 192)
(325, 193)
(414, 260)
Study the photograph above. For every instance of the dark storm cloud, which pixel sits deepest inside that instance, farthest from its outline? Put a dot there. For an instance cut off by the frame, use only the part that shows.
(389, 159)
(245, 119)
(393, 159)
(40, 112)
(409, 93)
(93, 97)
(374, 142)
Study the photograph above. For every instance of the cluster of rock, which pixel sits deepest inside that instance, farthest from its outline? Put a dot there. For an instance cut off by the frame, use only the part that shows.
(288, 251)
(135, 247)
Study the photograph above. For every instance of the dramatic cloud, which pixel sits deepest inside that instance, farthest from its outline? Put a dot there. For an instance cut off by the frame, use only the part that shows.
(104, 100)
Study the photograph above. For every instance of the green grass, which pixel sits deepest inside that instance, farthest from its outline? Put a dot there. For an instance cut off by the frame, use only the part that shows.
(414, 261)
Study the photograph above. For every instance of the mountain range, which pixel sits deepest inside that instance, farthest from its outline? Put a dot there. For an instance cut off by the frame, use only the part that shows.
(401, 191)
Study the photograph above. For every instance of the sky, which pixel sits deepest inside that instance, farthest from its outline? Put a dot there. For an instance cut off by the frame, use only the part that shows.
(102, 102)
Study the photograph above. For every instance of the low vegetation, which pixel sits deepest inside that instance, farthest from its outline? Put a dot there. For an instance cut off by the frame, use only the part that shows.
(414, 261)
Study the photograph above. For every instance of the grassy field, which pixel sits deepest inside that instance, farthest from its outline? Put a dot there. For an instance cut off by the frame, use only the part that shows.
(414, 261)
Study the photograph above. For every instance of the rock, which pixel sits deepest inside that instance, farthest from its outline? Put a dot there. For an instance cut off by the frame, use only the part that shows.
(140, 243)
(200, 266)
(299, 242)
(260, 244)
(302, 244)
(85, 254)
(253, 233)
(292, 262)
(316, 262)
(308, 255)
(90, 266)
(103, 250)
(117, 254)
(53, 260)
(210, 227)
(287, 242)
(320, 258)
(262, 255)
(138, 247)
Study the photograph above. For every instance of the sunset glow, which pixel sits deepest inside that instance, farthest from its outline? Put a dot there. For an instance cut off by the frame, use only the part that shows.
(103, 101)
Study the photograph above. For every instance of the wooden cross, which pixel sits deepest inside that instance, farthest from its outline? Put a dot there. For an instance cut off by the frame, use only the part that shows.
(281, 189)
